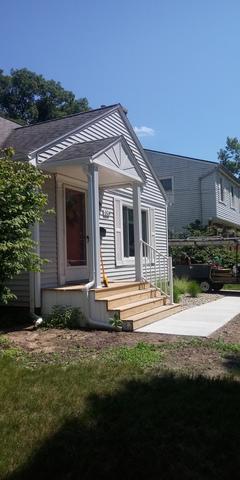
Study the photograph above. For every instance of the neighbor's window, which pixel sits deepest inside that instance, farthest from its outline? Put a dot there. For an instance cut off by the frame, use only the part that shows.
(221, 190)
(232, 196)
(167, 184)
(128, 230)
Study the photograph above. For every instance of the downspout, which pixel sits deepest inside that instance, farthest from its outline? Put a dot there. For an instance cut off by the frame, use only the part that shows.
(35, 282)
(90, 322)
(35, 277)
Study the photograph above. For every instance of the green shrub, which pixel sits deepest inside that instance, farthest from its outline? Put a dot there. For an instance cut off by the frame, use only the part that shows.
(64, 317)
(116, 322)
(182, 285)
(193, 288)
(176, 294)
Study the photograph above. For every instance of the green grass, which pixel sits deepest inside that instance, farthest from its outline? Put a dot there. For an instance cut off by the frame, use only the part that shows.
(113, 418)
(231, 286)
(141, 355)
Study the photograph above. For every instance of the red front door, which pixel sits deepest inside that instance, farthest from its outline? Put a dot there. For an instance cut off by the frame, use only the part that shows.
(76, 235)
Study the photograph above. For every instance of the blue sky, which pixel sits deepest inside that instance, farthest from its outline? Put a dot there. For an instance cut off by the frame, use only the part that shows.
(173, 63)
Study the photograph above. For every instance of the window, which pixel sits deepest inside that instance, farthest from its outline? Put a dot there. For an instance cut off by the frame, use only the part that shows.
(124, 231)
(167, 184)
(128, 230)
(232, 196)
(221, 190)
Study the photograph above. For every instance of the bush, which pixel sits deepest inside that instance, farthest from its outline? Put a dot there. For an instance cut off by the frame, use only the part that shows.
(176, 294)
(193, 288)
(64, 317)
(181, 286)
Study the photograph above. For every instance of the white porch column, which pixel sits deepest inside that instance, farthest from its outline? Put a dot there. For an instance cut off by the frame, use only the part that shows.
(137, 218)
(93, 221)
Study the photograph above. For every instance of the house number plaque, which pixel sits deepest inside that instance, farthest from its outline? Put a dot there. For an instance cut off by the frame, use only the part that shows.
(106, 213)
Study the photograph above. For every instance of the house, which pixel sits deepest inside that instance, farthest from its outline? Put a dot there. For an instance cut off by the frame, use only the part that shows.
(197, 190)
(109, 203)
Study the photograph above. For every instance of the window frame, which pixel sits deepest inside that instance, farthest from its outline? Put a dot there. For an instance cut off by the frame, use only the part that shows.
(169, 193)
(168, 177)
(232, 197)
(131, 260)
(222, 195)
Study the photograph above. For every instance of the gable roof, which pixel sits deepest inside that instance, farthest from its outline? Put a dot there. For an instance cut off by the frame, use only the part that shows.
(83, 150)
(185, 157)
(216, 165)
(86, 150)
(29, 138)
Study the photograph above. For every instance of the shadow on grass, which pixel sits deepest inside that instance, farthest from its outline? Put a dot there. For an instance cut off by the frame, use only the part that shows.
(13, 319)
(231, 363)
(162, 428)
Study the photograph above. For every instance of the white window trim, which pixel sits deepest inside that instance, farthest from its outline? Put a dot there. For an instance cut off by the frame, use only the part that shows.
(130, 261)
(224, 192)
(232, 198)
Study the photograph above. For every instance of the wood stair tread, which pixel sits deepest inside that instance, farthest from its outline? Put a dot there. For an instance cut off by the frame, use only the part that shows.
(153, 311)
(147, 301)
(131, 293)
(119, 286)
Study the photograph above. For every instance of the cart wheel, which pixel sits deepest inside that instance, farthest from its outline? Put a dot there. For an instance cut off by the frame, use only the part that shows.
(205, 286)
(217, 286)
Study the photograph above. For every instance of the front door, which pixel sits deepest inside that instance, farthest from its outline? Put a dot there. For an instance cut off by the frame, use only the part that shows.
(76, 235)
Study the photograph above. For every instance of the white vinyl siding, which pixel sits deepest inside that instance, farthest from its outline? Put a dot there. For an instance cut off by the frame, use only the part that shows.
(48, 238)
(228, 212)
(151, 197)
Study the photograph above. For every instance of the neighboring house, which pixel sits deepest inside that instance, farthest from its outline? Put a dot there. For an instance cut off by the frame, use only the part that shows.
(197, 190)
(99, 177)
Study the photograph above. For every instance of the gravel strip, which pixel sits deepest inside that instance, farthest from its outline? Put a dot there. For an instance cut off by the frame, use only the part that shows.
(190, 302)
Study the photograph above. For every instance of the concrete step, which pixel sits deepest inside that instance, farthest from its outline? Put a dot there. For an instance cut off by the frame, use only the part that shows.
(119, 288)
(127, 311)
(141, 319)
(126, 298)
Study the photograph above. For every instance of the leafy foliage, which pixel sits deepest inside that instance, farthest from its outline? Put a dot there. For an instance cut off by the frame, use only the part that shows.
(64, 317)
(22, 203)
(28, 97)
(224, 256)
(181, 286)
(198, 254)
(116, 322)
(230, 156)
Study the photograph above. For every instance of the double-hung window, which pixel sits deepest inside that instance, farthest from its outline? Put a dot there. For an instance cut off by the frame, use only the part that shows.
(221, 188)
(232, 198)
(128, 230)
(124, 231)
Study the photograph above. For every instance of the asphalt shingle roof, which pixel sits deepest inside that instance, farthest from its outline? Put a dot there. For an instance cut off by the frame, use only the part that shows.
(83, 150)
(27, 139)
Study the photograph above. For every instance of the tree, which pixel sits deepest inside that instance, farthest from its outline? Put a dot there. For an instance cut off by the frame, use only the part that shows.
(230, 156)
(30, 98)
(22, 203)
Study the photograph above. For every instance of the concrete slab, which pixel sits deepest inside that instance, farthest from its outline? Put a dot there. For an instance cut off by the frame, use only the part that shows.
(199, 321)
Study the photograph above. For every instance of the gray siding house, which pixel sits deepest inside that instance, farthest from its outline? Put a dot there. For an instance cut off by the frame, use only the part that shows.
(197, 190)
(99, 177)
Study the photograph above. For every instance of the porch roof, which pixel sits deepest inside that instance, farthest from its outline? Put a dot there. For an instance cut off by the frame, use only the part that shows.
(117, 164)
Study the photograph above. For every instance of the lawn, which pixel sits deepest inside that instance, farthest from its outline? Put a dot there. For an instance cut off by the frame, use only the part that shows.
(231, 286)
(117, 412)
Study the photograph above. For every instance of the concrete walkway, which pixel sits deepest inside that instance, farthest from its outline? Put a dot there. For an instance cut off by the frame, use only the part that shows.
(199, 321)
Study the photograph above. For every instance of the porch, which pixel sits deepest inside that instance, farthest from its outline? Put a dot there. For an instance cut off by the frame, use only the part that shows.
(135, 304)
(83, 173)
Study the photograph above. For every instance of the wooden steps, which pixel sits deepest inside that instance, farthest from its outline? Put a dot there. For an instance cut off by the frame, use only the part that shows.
(141, 319)
(135, 303)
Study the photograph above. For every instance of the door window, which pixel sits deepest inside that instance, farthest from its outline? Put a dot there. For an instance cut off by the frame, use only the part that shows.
(76, 228)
